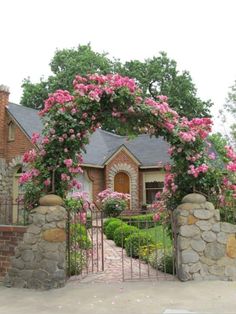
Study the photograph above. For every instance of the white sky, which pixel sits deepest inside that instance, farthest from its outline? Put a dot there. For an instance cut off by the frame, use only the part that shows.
(198, 34)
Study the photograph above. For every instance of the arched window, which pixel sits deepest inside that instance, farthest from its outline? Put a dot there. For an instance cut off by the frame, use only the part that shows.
(11, 131)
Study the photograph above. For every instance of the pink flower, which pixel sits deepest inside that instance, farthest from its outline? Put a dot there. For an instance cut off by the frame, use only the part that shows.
(45, 140)
(156, 217)
(68, 162)
(35, 138)
(73, 111)
(212, 156)
(65, 177)
(25, 177)
(47, 182)
(29, 156)
(231, 166)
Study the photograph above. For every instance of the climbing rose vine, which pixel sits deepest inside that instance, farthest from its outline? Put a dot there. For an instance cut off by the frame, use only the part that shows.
(116, 102)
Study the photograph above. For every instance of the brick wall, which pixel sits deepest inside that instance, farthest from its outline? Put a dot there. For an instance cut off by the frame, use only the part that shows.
(10, 236)
(22, 141)
(4, 95)
(96, 175)
(122, 158)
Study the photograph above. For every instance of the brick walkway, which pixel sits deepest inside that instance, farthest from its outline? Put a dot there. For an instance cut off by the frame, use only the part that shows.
(118, 266)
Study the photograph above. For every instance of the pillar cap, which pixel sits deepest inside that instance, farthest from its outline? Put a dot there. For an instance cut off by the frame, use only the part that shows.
(51, 200)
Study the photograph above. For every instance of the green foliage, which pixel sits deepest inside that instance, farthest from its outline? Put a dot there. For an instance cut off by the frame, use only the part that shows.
(147, 250)
(140, 221)
(108, 221)
(219, 142)
(32, 193)
(73, 204)
(135, 241)
(161, 70)
(162, 261)
(79, 236)
(111, 227)
(160, 235)
(179, 87)
(113, 207)
(77, 263)
(230, 106)
(121, 234)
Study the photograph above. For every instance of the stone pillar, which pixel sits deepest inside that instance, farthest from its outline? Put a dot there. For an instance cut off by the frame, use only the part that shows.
(206, 247)
(40, 260)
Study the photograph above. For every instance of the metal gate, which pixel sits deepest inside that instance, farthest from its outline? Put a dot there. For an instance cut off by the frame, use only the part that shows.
(147, 248)
(85, 251)
(139, 249)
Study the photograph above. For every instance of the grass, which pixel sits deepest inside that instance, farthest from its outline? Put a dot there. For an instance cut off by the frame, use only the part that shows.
(160, 236)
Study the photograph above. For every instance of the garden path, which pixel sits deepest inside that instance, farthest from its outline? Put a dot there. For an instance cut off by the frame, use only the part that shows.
(119, 267)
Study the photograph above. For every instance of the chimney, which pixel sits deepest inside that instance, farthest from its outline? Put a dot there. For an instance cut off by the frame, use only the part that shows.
(4, 98)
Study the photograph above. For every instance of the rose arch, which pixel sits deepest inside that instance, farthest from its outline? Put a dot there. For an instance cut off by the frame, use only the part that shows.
(116, 103)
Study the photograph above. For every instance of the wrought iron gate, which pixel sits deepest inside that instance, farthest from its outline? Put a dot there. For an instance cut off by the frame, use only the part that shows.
(85, 251)
(142, 257)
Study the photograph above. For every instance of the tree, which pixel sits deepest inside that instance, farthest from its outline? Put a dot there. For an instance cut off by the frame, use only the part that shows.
(230, 106)
(65, 64)
(154, 76)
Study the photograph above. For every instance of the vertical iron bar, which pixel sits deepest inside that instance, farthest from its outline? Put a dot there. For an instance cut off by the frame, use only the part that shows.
(102, 240)
(68, 244)
(97, 239)
(139, 264)
(122, 255)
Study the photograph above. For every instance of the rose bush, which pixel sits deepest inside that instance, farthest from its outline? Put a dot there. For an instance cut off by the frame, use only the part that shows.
(117, 102)
(113, 203)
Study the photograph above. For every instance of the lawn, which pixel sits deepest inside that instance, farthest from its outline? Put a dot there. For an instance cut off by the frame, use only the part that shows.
(160, 235)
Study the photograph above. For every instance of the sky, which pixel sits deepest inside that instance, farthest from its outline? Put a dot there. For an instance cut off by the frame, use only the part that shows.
(198, 34)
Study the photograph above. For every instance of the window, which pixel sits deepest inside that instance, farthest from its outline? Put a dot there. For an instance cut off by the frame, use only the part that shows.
(11, 131)
(151, 189)
(153, 182)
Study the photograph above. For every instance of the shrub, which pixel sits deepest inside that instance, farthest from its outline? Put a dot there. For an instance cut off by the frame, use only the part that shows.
(135, 241)
(77, 263)
(111, 227)
(122, 232)
(79, 236)
(109, 220)
(140, 221)
(148, 250)
(162, 261)
(113, 207)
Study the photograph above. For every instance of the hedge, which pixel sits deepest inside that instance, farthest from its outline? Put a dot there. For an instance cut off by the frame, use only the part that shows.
(111, 227)
(122, 232)
(140, 221)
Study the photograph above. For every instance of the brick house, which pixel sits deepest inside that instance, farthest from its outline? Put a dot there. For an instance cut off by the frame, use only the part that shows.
(111, 161)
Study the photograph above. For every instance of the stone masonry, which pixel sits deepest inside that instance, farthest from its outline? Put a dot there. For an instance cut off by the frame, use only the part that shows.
(40, 260)
(206, 247)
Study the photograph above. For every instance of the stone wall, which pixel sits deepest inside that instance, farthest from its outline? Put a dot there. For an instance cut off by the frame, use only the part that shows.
(39, 260)
(10, 237)
(206, 247)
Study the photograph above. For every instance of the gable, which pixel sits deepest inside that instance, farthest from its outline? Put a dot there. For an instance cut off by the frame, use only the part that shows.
(122, 155)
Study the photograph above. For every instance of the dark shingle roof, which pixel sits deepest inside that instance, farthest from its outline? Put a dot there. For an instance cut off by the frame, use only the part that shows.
(103, 144)
(27, 118)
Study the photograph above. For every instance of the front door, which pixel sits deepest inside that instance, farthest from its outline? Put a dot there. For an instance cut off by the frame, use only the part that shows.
(121, 183)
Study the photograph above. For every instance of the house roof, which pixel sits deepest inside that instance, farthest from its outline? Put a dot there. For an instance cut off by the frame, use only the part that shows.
(148, 150)
(27, 118)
